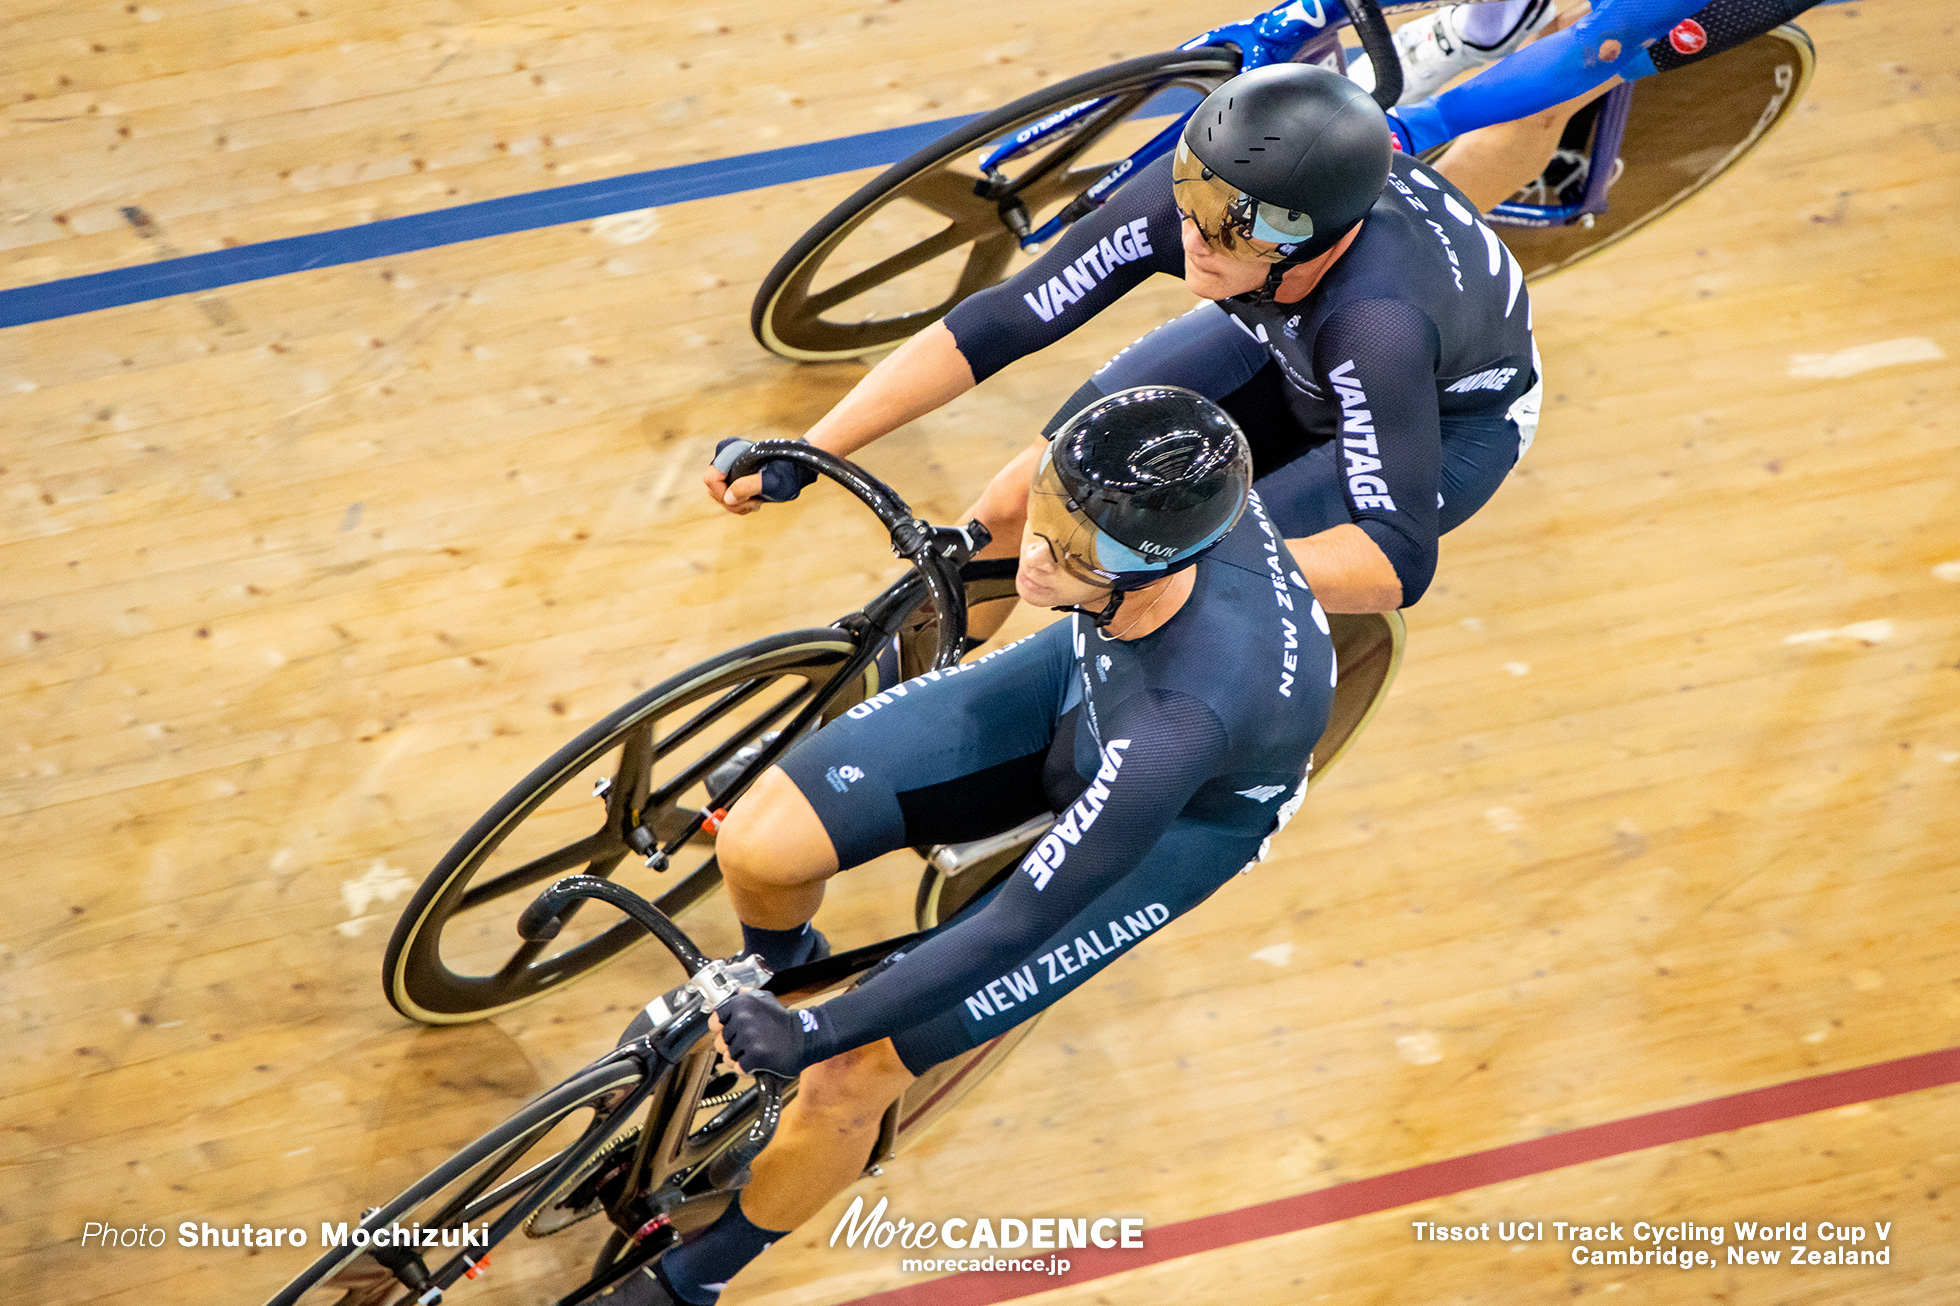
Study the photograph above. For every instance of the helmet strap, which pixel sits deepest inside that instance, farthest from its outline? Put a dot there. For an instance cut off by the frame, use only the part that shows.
(1275, 273)
(1104, 617)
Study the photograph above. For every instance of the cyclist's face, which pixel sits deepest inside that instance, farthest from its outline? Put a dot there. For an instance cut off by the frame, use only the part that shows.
(1212, 275)
(1228, 222)
(1056, 566)
(1045, 584)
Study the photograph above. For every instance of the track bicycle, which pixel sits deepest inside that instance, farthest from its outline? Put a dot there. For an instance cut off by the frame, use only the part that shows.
(964, 212)
(647, 784)
(657, 1134)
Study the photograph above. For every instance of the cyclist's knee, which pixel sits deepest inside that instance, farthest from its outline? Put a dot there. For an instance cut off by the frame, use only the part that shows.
(854, 1087)
(773, 837)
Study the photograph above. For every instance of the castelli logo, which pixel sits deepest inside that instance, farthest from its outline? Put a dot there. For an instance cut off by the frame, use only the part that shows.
(1688, 37)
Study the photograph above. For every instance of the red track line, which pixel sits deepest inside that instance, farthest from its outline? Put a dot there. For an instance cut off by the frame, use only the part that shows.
(1438, 1179)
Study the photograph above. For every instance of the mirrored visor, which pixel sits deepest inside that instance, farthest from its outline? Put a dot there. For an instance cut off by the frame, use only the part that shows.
(1054, 519)
(1080, 547)
(1231, 221)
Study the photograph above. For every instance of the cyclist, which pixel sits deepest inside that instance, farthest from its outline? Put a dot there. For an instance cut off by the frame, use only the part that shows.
(1535, 90)
(1170, 776)
(1369, 333)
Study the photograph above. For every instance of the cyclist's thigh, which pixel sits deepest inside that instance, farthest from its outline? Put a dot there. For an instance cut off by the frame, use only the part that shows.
(946, 757)
(1308, 496)
(1184, 868)
(1478, 453)
(1203, 350)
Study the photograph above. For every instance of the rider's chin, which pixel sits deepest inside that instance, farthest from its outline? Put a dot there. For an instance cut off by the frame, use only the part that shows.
(1031, 589)
(1214, 282)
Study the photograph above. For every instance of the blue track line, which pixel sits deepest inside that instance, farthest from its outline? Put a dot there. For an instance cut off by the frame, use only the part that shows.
(499, 217)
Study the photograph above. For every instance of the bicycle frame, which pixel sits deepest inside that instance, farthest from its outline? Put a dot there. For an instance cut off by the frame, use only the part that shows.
(1301, 31)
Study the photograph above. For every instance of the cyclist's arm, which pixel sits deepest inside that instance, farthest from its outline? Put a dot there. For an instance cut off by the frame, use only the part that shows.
(1089, 267)
(922, 374)
(919, 376)
(1545, 73)
(1165, 747)
(1377, 359)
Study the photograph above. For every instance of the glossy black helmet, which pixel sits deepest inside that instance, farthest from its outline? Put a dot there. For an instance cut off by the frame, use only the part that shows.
(1139, 484)
(1288, 155)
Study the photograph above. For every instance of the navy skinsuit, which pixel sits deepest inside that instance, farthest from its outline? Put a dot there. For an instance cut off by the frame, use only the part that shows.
(1171, 760)
(1396, 395)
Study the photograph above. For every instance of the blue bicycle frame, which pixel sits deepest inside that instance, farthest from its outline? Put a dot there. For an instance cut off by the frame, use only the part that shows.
(1302, 31)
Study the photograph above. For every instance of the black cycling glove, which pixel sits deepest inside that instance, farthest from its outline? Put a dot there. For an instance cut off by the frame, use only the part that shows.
(762, 1035)
(782, 480)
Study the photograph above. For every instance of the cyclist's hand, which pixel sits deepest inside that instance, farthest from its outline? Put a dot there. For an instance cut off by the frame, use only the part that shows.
(761, 1035)
(778, 482)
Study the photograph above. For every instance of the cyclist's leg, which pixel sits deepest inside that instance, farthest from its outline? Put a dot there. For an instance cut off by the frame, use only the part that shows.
(947, 757)
(1308, 495)
(826, 1132)
(819, 1150)
(1491, 164)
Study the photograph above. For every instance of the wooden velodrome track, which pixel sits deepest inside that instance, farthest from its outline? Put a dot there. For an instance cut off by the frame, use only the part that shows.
(302, 572)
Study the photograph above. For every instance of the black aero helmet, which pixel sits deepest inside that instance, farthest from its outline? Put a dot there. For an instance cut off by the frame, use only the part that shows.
(1139, 484)
(1288, 154)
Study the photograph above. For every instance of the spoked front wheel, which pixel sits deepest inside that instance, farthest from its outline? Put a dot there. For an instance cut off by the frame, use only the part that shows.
(931, 230)
(645, 778)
